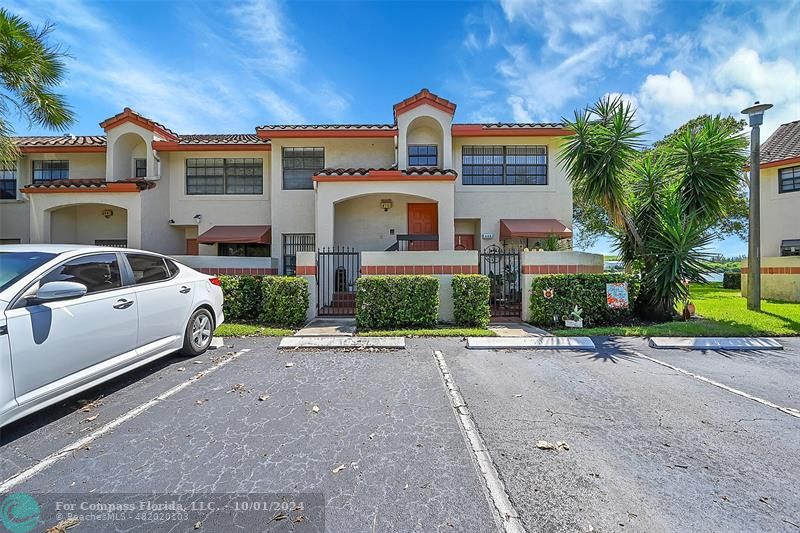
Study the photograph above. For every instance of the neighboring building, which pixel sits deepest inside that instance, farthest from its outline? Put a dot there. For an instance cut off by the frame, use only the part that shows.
(422, 182)
(780, 192)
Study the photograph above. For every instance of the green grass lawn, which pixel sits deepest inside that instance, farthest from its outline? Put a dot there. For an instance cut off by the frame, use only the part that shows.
(722, 312)
(441, 331)
(239, 329)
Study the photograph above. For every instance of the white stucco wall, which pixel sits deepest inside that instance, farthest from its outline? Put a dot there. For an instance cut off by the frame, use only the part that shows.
(490, 203)
(780, 214)
(422, 115)
(83, 224)
(157, 233)
(126, 142)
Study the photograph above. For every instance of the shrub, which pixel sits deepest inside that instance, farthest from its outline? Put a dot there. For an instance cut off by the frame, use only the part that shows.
(284, 300)
(242, 297)
(396, 301)
(471, 299)
(732, 280)
(587, 291)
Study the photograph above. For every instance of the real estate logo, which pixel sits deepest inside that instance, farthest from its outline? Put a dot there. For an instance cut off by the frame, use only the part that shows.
(19, 512)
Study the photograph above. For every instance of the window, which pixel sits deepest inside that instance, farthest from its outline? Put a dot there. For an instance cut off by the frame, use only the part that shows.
(99, 272)
(49, 170)
(8, 184)
(148, 268)
(789, 179)
(423, 155)
(224, 176)
(172, 267)
(244, 249)
(293, 243)
(790, 247)
(16, 265)
(140, 168)
(299, 165)
(504, 165)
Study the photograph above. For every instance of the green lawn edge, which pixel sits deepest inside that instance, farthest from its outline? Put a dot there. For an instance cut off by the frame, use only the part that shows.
(240, 329)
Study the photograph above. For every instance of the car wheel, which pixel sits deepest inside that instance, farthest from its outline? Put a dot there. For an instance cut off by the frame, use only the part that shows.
(199, 332)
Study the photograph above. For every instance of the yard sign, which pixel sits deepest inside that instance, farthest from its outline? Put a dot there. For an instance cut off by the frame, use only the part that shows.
(617, 295)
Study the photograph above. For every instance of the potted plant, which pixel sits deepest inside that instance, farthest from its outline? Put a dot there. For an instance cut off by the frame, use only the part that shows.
(575, 320)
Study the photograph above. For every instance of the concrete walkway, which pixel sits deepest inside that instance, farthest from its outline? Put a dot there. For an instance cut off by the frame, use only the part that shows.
(329, 327)
(517, 329)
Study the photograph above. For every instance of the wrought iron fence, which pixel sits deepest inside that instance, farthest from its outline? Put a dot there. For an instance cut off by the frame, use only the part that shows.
(113, 243)
(503, 269)
(338, 269)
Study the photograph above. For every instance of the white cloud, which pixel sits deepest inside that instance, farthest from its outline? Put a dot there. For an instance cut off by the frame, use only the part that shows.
(262, 23)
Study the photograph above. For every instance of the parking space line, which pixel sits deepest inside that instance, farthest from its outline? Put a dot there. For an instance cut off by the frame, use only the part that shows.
(66, 451)
(501, 503)
(787, 410)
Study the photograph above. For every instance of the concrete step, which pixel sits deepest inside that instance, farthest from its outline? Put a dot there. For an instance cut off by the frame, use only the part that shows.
(715, 343)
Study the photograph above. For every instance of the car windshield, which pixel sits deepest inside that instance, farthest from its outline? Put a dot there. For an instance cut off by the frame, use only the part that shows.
(14, 265)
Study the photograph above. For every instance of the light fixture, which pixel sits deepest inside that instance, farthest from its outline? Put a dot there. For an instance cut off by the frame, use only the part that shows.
(198, 217)
(755, 114)
(108, 213)
(386, 204)
(172, 221)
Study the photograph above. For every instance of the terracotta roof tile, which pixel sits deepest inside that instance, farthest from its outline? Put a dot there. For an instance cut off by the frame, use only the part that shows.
(222, 138)
(784, 143)
(414, 171)
(60, 140)
(424, 96)
(514, 125)
(90, 183)
(129, 113)
(325, 127)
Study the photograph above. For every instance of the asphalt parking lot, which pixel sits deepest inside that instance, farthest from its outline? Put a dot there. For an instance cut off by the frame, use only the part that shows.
(375, 435)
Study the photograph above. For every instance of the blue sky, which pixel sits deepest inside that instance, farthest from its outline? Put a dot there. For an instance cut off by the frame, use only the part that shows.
(227, 67)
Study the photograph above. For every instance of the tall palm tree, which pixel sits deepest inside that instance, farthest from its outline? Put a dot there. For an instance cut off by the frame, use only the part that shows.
(30, 68)
(663, 204)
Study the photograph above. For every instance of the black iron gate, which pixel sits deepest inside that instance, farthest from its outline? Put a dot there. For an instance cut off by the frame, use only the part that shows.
(338, 269)
(503, 269)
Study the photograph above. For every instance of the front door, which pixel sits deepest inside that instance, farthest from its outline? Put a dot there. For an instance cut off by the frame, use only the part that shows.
(423, 219)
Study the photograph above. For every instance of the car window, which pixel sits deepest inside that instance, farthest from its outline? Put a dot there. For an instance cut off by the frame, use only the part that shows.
(147, 268)
(15, 265)
(173, 268)
(99, 272)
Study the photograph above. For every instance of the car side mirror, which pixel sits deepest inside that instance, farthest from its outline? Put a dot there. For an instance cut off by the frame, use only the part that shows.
(59, 290)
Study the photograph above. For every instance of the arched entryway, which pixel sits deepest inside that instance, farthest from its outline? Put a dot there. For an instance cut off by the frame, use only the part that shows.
(129, 157)
(99, 224)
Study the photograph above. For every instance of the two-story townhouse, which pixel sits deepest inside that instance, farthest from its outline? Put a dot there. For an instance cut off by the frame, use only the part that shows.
(421, 182)
(780, 192)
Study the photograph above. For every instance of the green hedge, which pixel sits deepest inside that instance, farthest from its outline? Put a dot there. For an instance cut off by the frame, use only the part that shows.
(588, 291)
(242, 297)
(471, 299)
(284, 300)
(732, 280)
(396, 301)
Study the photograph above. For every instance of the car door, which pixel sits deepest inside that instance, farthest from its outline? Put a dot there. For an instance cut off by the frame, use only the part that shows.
(57, 344)
(164, 300)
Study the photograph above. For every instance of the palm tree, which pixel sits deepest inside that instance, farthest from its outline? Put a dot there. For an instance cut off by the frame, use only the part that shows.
(30, 69)
(664, 203)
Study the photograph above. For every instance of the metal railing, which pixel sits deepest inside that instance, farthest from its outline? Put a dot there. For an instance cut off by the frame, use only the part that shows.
(410, 243)
(113, 243)
(338, 269)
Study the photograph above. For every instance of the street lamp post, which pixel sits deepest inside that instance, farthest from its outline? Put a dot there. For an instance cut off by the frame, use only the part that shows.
(755, 114)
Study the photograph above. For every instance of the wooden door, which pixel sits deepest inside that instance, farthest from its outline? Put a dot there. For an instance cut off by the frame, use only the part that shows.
(191, 247)
(465, 241)
(423, 219)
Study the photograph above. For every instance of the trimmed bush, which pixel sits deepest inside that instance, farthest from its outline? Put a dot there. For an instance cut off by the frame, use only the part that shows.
(471, 300)
(284, 300)
(396, 301)
(242, 297)
(588, 291)
(732, 280)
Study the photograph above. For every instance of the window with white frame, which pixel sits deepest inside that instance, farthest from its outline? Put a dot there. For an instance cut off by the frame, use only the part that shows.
(423, 155)
(504, 165)
(216, 175)
(8, 183)
(299, 166)
(45, 170)
(789, 179)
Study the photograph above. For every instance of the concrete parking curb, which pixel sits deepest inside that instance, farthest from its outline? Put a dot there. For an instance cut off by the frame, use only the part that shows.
(530, 343)
(392, 343)
(715, 343)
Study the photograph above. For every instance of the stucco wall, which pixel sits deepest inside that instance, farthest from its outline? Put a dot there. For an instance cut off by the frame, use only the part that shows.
(83, 224)
(490, 203)
(780, 278)
(780, 214)
(157, 234)
(424, 116)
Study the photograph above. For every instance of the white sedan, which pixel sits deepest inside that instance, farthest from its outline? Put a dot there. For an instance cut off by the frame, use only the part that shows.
(74, 316)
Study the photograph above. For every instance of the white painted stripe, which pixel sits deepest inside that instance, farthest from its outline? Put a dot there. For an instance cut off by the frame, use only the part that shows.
(530, 343)
(505, 512)
(788, 410)
(66, 451)
(716, 343)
